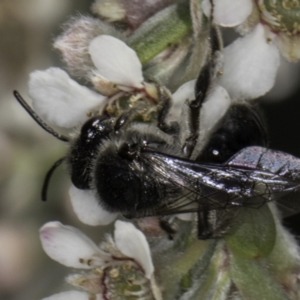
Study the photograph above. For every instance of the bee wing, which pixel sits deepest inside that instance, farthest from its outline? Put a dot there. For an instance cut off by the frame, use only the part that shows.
(217, 186)
(280, 164)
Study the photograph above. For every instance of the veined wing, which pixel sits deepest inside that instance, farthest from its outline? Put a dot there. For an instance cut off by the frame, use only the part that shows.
(278, 163)
(217, 186)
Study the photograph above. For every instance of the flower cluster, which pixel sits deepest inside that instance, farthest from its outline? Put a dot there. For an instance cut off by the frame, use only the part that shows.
(134, 64)
(127, 254)
(270, 28)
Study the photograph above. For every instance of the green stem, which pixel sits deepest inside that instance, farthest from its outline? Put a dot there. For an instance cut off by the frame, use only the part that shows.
(163, 29)
(197, 255)
(190, 256)
(214, 283)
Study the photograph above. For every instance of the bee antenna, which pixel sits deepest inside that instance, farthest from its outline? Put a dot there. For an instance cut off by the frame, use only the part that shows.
(48, 177)
(212, 8)
(37, 119)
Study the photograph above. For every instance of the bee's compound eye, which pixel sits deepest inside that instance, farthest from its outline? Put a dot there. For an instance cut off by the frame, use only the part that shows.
(95, 123)
(128, 151)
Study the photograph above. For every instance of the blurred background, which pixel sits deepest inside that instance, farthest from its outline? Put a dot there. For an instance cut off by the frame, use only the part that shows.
(27, 29)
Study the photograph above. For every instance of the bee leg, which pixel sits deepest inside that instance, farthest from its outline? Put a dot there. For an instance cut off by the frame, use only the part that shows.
(204, 228)
(202, 86)
(194, 107)
(163, 108)
(128, 115)
(216, 42)
(124, 119)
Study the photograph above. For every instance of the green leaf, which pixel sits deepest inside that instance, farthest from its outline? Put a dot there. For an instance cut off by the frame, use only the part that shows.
(253, 233)
(179, 275)
(214, 283)
(254, 281)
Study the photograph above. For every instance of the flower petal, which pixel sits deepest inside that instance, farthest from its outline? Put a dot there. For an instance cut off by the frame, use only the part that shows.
(228, 13)
(132, 243)
(116, 61)
(88, 209)
(112, 12)
(60, 100)
(74, 41)
(183, 93)
(69, 246)
(214, 108)
(72, 295)
(250, 65)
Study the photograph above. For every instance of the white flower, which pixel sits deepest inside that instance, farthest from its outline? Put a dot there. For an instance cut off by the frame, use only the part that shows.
(280, 20)
(72, 248)
(87, 207)
(250, 66)
(116, 62)
(228, 13)
(61, 101)
(252, 61)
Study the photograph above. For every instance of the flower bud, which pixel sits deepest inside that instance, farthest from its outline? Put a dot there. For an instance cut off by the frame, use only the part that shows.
(133, 13)
(110, 10)
(73, 43)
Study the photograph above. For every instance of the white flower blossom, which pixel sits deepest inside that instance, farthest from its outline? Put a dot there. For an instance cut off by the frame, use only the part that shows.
(228, 13)
(72, 248)
(252, 61)
(250, 65)
(246, 14)
(61, 101)
(116, 62)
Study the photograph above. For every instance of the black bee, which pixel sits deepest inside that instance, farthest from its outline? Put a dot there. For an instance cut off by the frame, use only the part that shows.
(164, 168)
(145, 170)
